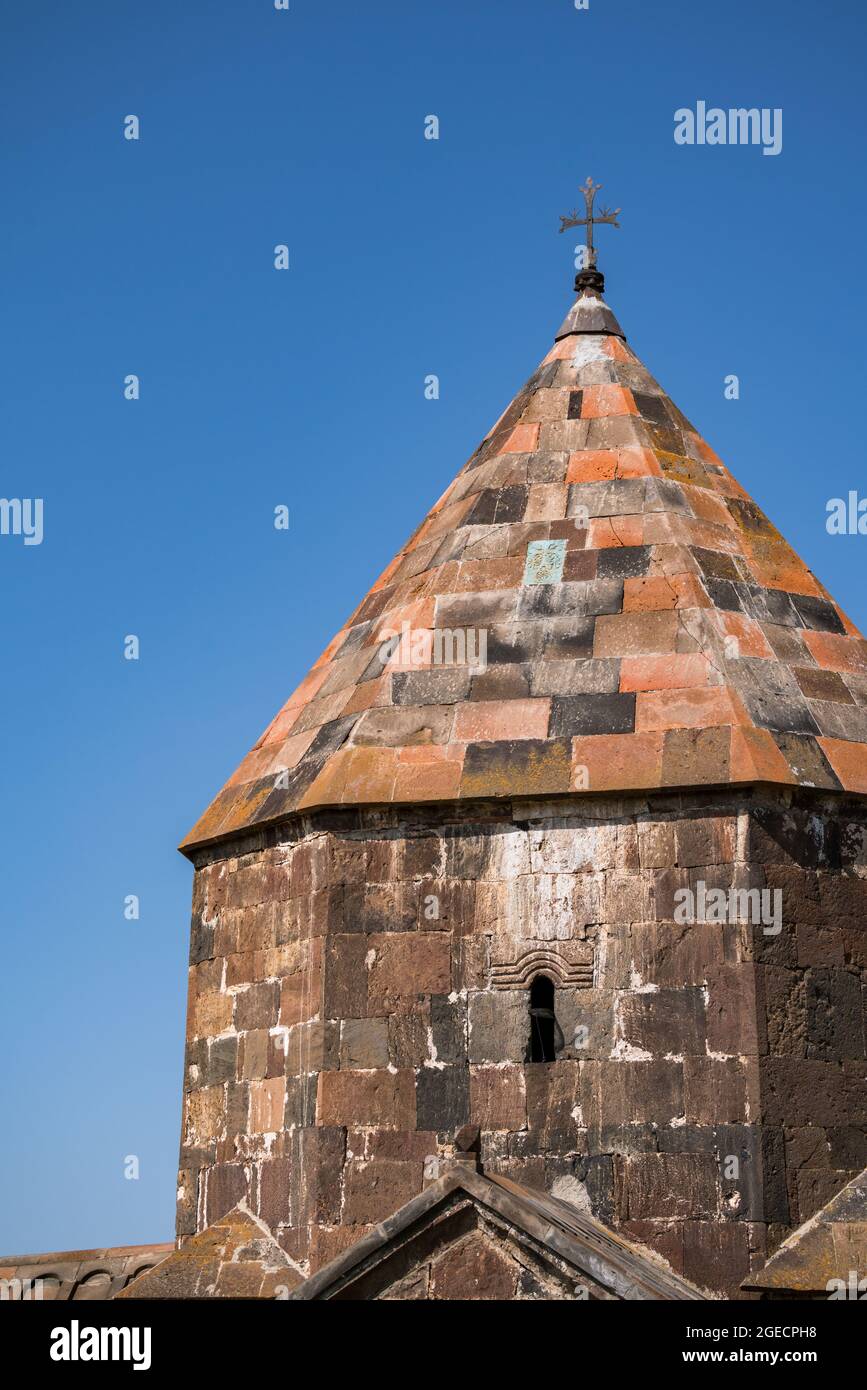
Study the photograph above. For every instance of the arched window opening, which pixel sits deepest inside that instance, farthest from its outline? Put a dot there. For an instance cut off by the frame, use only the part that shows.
(546, 1039)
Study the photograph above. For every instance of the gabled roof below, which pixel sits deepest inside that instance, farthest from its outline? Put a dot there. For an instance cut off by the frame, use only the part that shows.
(827, 1247)
(236, 1257)
(464, 1234)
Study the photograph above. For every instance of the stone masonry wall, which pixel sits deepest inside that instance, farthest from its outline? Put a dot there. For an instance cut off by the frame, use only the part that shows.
(358, 991)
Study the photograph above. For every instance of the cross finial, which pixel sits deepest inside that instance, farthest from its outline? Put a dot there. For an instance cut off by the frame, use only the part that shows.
(590, 277)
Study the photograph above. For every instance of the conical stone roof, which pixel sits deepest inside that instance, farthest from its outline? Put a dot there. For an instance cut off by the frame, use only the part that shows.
(593, 605)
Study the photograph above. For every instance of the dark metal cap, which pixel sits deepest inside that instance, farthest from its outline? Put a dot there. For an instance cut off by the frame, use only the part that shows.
(590, 313)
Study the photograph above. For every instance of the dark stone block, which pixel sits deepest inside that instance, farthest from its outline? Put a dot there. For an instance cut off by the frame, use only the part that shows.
(787, 644)
(445, 686)
(653, 408)
(774, 1191)
(597, 1175)
(225, 1185)
(301, 1092)
(834, 1014)
(202, 937)
(483, 509)
(770, 606)
(496, 506)
(577, 715)
(575, 399)
(518, 643)
(257, 1006)
(783, 714)
(666, 1021)
(807, 761)
(686, 1139)
(817, 613)
(724, 594)
(588, 599)
(848, 1147)
(331, 736)
(633, 1139)
(816, 684)
(566, 646)
(668, 440)
(196, 1064)
(666, 496)
(714, 564)
(443, 1098)
(623, 561)
(448, 1028)
(222, 1061)
(509, 682)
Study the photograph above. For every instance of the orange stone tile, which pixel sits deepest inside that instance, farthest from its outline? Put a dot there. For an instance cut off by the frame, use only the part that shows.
(307, 689)
(616, 762)
(327, 789)
(706, 451)
(636, 634)
(675, 591)
(616, 349)
(668, 560)
(231, 810)
(485, 576)
(849, 761)
(336, 641)
(523, 440)
(688, 709)
(606, 400)
(695, 532)
(423, 754)
(490, 721)
(727, 486)
(662, 528)
(673, 672)
(281, 725)
(369, 695)
(561, 350)
(592, 466)
(389, 570)
(370, 775)
(755, 757)
(607, 531)
(428, 781)
(836, 652)
(419, 615)
(447, 520)
(776, 565)
(709, 506)
(746, 632)
(637, 463)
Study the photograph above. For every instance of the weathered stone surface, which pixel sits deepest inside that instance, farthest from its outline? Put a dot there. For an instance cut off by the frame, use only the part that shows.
(336, 1048)
(499, 1026)
(443, 1097)
(364, 1042)
(686, 1185)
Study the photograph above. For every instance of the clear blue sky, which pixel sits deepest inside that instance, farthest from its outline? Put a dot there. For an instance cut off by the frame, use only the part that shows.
(408, 257)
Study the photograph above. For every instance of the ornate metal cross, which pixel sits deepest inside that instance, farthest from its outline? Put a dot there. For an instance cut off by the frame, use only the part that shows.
(590, 189)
